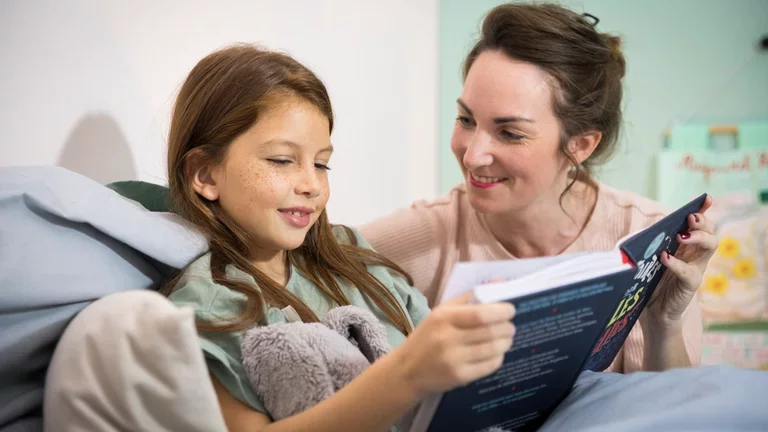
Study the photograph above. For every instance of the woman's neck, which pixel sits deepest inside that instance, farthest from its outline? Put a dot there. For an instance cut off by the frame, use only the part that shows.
(273, 264)
(545, 228)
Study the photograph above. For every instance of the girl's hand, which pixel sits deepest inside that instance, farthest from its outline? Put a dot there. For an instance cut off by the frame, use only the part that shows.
(456, 344)
(685, 272)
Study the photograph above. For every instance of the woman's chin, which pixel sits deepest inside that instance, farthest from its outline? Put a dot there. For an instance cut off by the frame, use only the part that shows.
(484, 204)
(496, 202)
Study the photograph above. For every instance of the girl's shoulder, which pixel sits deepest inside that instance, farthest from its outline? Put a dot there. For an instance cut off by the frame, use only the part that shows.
(350, 236)
(196, 289)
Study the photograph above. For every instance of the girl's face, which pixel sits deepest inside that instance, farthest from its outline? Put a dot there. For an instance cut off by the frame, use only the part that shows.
(273, 180)
(506, 136)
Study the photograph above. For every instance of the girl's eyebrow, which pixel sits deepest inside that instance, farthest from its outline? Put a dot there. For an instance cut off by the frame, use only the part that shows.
(293, 145)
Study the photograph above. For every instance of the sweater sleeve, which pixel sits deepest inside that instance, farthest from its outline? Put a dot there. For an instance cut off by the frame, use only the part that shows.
(693, 330)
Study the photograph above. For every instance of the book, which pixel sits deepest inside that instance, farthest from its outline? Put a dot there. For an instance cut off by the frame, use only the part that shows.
(573, 313)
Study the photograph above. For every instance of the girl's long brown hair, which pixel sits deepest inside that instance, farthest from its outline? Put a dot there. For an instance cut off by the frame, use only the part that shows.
(223, 96)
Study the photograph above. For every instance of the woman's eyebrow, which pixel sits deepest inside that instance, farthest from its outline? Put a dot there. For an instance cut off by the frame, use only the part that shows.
(497, 120)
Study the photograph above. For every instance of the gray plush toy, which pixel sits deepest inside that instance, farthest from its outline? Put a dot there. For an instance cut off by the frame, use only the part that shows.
(294, 366)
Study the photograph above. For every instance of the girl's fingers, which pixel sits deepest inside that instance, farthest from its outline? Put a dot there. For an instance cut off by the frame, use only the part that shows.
(460, 300)
(474, 371)
(503, 330)
(478, 353)
(473, 316)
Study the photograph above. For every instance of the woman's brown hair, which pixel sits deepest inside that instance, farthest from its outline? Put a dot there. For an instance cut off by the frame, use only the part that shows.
(223, 96)
(587, 67)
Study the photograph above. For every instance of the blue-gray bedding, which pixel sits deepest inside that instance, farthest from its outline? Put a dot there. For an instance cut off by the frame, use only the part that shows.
(66, 241)
(711, 398)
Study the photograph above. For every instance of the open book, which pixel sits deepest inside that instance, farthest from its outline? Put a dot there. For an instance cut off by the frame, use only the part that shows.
(574, 312)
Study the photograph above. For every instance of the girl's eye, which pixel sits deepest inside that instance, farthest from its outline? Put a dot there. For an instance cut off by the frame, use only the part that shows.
(322, 167)
(509, 136)
(279, 161)
(465, 121)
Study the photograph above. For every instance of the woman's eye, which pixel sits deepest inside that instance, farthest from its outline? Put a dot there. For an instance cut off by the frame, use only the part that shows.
(465, 121)
(510, 136)
(322, 167)
(279, 161)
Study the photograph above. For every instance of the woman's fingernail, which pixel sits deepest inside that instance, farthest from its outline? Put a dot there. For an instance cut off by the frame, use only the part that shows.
(696, 217)
(685, 235)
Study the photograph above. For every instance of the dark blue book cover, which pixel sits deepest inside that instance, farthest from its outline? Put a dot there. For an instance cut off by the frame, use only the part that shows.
(644, 251)
(555, 333)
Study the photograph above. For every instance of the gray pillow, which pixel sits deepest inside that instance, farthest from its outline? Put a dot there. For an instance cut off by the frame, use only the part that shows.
(66, 241)
(144, 371)
(706, 398)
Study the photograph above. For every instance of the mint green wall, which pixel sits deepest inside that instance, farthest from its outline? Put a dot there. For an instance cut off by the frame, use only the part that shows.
(678, 51)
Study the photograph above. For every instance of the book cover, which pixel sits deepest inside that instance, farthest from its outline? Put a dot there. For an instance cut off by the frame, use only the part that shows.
(555, 333)
(644, 250)
(561, 331)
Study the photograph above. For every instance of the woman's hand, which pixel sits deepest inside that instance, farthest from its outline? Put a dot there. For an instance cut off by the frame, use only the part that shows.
(685, 271)
(664, 346)
(456, 344)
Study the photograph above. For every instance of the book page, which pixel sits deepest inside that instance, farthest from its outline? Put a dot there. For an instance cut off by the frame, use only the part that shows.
(492, 294)
(629, 236)
(467, 275)
(581, 268)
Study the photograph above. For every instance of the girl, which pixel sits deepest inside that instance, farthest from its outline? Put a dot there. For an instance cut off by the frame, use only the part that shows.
(249, 150)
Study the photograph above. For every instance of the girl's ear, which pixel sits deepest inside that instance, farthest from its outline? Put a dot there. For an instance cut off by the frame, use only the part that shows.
(204, 175)
(582, 146)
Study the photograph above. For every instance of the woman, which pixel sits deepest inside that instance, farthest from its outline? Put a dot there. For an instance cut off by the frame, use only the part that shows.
(541, 105)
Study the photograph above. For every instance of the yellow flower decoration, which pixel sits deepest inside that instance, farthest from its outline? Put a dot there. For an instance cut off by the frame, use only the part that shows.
(745, 268)
(729, 247)
(716, 284)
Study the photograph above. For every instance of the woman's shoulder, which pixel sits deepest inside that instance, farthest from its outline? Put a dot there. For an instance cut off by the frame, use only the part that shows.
(423, 221)
(447, 204)
(630, 204)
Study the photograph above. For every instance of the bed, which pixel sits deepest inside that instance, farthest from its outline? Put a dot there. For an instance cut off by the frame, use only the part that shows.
(71, 247)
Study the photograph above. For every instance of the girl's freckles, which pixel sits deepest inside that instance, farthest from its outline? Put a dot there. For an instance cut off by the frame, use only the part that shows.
(258, 180)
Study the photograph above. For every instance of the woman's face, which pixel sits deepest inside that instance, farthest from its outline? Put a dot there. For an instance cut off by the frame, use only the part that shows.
(506, 137)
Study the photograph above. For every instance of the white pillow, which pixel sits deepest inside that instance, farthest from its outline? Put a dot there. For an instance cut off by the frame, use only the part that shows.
(130, 361)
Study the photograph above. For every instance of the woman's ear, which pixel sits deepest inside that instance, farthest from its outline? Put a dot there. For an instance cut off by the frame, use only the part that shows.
(204, 176)
(582, 146)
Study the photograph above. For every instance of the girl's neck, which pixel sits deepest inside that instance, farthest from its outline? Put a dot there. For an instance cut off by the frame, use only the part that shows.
(545, 228)
(274, 264)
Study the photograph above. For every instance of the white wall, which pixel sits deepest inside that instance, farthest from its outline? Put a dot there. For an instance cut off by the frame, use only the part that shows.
(97, 79)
